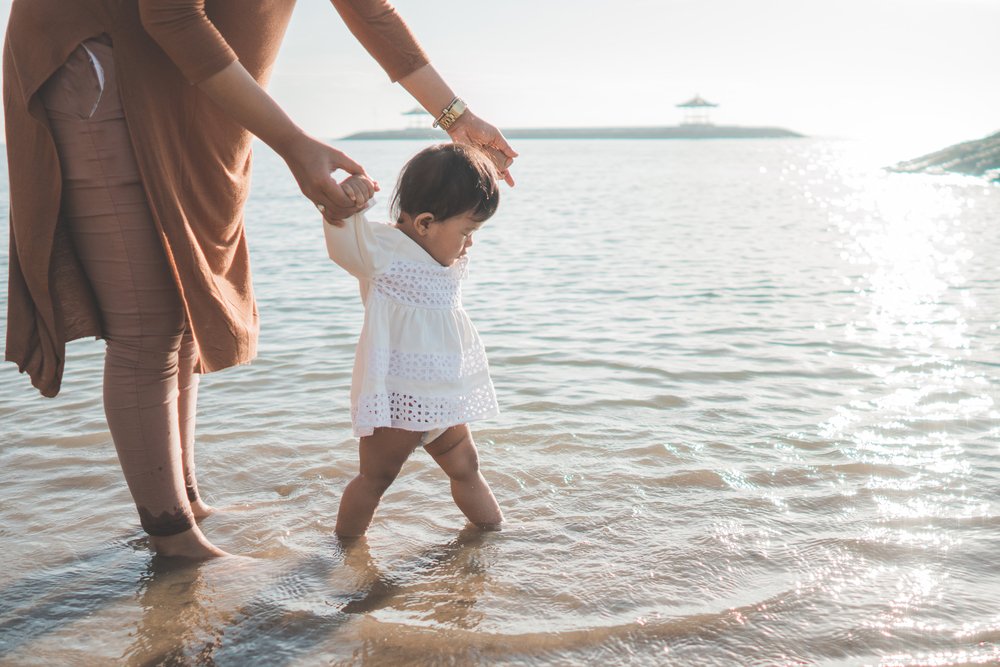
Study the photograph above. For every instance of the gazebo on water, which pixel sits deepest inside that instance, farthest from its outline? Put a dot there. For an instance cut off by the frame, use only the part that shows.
(697, 111)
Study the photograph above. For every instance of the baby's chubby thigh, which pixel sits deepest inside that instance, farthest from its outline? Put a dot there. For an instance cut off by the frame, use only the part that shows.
(455, 451)
(383, 453)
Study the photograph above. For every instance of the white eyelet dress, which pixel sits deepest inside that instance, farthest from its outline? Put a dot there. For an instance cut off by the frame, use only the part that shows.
(420, 364)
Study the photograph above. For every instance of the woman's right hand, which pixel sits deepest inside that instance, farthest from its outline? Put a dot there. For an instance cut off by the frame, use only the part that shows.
(313, 163)
(473, 130)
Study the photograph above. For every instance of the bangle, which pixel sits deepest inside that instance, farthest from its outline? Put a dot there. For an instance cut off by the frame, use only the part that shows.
(451, 113)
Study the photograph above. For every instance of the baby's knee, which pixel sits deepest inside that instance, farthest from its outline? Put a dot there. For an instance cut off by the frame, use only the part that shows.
(463, 461)
(379, 480)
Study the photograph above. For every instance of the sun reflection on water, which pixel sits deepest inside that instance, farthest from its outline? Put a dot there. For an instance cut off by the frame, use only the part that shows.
(905, 255)
(924, 401)
(906, 236)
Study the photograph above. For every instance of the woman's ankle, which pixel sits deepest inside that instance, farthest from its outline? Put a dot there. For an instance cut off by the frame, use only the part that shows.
(190, 544)
(201, 509)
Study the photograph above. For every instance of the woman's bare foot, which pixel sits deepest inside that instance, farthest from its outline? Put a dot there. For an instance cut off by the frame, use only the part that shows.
(189, 544)
(200, 509)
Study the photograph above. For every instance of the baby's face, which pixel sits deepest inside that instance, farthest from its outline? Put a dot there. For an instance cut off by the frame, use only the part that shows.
(450, 239)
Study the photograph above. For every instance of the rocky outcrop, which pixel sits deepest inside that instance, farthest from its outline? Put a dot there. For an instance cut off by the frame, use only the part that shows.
(975, 158)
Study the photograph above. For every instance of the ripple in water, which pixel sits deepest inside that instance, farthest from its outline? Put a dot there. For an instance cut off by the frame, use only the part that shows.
(750, 417)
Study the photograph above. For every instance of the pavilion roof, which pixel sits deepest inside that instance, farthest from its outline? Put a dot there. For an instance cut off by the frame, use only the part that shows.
(697, 101)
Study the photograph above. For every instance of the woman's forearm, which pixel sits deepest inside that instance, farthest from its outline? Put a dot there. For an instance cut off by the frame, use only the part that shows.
(311, 162)
(235, 91)
(428, 89)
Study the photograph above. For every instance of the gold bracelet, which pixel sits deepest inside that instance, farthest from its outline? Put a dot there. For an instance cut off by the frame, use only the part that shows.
(451, 113)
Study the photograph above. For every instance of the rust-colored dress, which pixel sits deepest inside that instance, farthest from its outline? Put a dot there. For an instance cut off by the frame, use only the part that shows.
(194, 160)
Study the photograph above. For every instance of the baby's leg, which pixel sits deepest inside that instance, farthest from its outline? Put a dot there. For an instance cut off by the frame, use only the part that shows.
(456, 453)
(382, 455)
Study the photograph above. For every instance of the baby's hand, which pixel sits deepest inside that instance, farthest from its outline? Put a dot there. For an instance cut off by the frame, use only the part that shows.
(359, 188)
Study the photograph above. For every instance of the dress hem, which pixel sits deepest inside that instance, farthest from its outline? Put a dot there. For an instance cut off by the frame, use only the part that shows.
(418, 427)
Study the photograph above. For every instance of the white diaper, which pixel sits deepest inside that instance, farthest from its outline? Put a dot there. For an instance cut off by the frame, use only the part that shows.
(430, 436)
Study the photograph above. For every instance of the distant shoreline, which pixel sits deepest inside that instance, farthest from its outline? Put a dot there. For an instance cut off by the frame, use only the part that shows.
(655, 132)
(658, 132)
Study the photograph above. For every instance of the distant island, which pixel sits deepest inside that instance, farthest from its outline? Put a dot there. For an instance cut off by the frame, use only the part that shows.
(697, 124)
(660, 132)
(980, 157)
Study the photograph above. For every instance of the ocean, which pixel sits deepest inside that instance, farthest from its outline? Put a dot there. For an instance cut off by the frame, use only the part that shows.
(750, 395)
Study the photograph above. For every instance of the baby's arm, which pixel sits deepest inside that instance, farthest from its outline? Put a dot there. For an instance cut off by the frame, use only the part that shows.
(356, 244)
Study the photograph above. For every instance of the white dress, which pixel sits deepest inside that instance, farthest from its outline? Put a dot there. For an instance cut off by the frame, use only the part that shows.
(420, 364)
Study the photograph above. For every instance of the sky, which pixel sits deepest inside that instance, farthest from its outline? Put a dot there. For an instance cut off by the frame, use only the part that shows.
(913, 71)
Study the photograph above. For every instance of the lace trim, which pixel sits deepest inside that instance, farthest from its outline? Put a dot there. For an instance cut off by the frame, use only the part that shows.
(422, 284)
(421, 413)
(427, 367)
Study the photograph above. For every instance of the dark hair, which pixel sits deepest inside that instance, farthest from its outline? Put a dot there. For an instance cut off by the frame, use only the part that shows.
(447, 180)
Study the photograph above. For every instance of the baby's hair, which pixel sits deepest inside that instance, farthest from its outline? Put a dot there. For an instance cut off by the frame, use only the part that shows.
(446, 180)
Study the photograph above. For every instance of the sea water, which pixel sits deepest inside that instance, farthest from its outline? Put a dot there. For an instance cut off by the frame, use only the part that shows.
(749, 397)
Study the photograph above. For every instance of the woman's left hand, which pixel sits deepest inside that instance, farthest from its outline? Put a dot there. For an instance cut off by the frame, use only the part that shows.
(473, 130)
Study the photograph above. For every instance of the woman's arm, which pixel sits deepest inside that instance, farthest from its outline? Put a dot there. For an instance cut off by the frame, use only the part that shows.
(185, 33)
(311, 161)
(380, 29)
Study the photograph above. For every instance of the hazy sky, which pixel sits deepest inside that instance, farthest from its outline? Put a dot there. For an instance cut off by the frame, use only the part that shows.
(920, 70)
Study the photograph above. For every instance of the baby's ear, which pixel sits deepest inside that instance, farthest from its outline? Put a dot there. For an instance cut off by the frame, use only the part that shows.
(422, 223)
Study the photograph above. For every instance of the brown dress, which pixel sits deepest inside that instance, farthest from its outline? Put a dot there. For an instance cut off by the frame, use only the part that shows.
(194, 160)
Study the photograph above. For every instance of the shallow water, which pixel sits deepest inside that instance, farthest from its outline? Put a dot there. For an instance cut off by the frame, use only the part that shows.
(750, 416)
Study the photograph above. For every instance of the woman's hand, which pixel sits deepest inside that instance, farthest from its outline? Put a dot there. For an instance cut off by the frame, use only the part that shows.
(358, 188)
(313, 164)
(473, 130)
(433, 94)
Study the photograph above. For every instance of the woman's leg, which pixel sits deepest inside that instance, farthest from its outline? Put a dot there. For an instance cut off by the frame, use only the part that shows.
(382, 455)
(105, 208)
(455, 451)
(187, 408)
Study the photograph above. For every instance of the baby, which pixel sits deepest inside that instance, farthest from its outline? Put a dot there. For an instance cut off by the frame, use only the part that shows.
(420, 370)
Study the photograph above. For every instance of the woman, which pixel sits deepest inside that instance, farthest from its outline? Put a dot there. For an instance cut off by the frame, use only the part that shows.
(128, 136)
